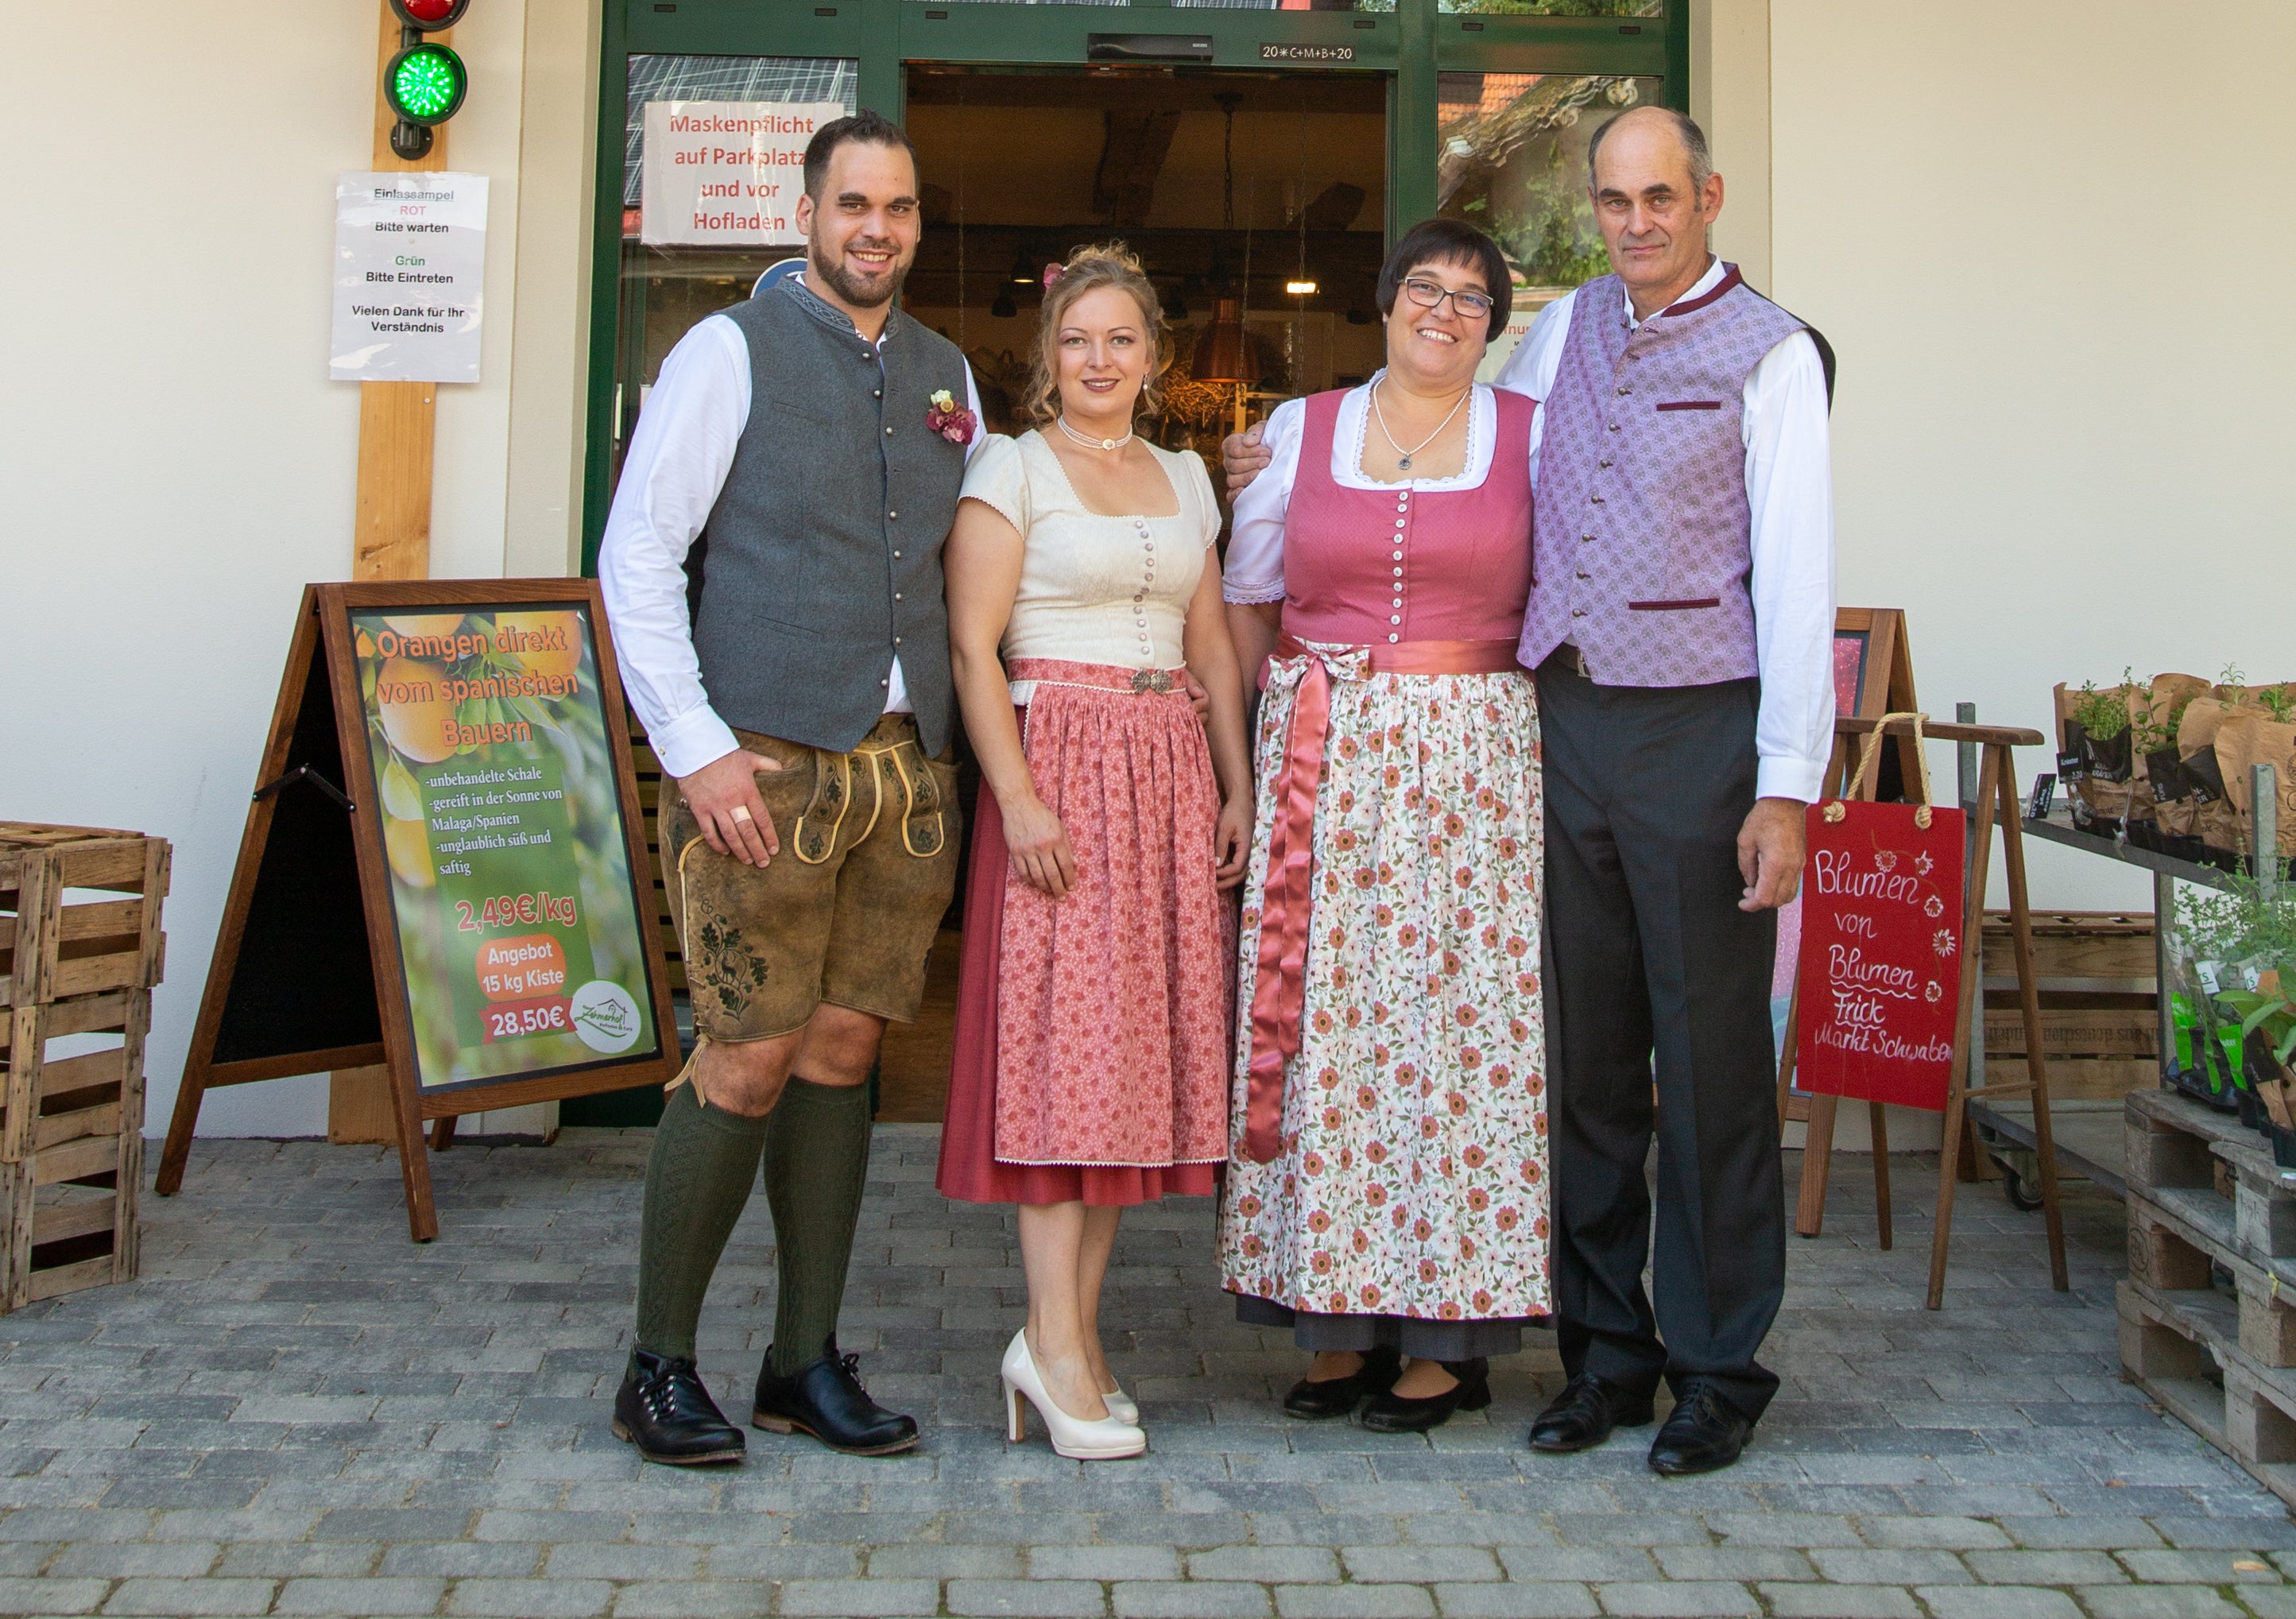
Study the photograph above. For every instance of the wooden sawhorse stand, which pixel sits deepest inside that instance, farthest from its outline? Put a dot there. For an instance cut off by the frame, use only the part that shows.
(1997, 802)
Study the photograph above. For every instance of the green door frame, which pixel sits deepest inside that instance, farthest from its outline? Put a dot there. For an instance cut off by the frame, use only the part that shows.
(1411, 43)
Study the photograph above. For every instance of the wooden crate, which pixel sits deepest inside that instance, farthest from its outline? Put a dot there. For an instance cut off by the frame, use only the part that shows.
(2207, 1315)
(2100, 1018)
(80, 949)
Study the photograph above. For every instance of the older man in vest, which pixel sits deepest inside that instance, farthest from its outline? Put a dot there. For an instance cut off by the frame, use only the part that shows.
(1682, 632)
(1681, 628)
(772, 569)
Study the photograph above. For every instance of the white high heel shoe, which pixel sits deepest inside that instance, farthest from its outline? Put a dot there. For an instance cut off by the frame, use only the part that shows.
(1120, 1407)
(1104, 1439)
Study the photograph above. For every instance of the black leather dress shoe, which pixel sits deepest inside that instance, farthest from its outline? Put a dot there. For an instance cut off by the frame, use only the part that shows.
(1582, 1416)
(1702, 1433)
(1392, 1413)
(664, 1409)
(824, 1398)
(1340, 1396)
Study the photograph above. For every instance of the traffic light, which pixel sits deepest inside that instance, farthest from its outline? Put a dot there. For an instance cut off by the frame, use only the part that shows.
(424, 83)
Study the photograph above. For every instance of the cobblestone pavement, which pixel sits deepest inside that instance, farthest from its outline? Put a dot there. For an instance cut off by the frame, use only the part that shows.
(296, 1411)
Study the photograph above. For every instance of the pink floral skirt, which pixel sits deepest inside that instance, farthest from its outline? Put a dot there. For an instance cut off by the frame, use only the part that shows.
(1093, 1033)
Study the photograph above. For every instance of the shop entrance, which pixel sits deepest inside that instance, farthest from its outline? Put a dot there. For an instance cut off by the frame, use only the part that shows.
(1255, 200)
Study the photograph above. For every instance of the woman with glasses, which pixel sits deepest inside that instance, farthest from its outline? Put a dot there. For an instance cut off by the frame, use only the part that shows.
(1386, 1195)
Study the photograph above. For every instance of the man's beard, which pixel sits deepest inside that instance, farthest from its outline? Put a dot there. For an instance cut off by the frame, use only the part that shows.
(855, 291)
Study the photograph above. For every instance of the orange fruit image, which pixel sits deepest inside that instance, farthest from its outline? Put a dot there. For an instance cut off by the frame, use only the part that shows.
(409, 849)
(425, 623)
(559, 662)
(415, 709)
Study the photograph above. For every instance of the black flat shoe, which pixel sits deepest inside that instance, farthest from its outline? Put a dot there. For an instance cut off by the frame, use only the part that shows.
(824, 1398)
(1339, 1396)
(1704, 1431)
(1582, 1416)
(1391, 1413)
(664, 1409)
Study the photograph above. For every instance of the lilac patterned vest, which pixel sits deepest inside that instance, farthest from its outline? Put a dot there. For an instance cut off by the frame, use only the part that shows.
(1642, 536)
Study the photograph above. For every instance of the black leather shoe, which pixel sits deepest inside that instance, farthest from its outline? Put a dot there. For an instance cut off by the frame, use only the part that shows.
(1702, 1433)
(1582, 1416)
(664, 1409)
(1391, 1413)
(1340, 1396)
(824, 1398)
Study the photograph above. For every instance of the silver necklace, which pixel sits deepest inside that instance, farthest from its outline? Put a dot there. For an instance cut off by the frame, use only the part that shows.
(1404, 463)
(1062, 424)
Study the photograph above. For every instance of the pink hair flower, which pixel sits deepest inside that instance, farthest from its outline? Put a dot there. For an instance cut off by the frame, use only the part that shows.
(1052, 272)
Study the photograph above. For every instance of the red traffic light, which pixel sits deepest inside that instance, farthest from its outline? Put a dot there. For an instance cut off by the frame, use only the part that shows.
(429, 16)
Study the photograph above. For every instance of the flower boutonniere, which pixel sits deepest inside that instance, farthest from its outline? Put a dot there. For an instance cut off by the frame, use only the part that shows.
(952, 421)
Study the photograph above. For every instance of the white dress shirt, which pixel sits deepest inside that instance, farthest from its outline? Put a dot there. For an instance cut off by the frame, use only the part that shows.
(671, 476)
(1789, 489)
(1255, 546)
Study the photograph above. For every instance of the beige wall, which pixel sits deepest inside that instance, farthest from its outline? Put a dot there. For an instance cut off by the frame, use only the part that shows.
(2061, 421)
(175, 464)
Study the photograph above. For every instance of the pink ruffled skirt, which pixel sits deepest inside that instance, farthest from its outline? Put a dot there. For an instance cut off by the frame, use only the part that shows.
(1093, 1031)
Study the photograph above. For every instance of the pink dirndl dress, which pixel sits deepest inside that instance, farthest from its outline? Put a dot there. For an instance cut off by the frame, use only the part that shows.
(1389, 1109)
(1092, 1032)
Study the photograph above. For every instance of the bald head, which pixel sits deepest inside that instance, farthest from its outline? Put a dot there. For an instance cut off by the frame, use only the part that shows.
(1655, 192)
(1652, 129)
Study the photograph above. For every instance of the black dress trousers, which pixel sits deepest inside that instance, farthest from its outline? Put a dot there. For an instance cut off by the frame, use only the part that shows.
(1647, 790)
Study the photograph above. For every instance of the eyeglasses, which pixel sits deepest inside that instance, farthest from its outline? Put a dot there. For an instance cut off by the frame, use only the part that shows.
(1427, 295)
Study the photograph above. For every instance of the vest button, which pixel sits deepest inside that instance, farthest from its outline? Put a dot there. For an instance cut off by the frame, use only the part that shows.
(896, 595)
(876, 393)
(896, 640)
(896, 556)
(1605, 461)
(889, 432)
(1578, 612)
(890, 516)
(1614, 427)
(1582, 574)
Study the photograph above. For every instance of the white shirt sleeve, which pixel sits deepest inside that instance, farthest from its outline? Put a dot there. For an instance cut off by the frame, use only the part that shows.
(677, 464)
(1255, 543)
(1790, 489)
(1530, 369)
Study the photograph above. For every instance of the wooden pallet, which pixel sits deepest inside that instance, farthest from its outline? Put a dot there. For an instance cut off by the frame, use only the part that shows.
(2207, 1315)
(80, 949)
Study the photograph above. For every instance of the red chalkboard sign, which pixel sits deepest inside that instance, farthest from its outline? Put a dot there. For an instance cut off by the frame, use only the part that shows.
(1881, 952)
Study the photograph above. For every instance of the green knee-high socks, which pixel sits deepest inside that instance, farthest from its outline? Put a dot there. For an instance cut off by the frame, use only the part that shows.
(817, 1162)
(698, 1180)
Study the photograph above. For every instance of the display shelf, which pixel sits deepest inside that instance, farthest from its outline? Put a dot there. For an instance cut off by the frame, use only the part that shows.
(2090, 1138)
(2057, 828)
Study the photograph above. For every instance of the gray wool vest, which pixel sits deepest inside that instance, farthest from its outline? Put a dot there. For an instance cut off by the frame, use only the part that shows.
(821, 561)
(1642, 538)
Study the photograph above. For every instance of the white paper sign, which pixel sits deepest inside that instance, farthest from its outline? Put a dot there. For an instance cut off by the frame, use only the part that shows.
(410, 269)
(727, 173)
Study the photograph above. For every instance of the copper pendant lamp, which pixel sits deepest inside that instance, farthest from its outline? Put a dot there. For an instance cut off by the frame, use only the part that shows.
(1224, 351)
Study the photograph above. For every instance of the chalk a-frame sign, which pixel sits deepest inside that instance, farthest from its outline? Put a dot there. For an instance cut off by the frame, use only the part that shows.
(444, 869)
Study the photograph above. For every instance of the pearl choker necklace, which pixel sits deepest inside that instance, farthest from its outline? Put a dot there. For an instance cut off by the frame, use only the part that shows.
(1062, 424)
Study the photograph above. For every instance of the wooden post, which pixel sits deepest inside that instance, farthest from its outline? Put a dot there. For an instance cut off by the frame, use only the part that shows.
(391, 540)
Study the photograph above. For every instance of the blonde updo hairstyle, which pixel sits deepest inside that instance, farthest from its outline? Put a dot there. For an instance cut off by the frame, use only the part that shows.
(1087, 270)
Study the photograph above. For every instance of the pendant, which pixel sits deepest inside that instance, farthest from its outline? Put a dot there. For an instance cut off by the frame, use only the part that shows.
(1404, 464)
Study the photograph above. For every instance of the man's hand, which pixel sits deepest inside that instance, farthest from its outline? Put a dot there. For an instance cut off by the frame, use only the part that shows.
(1771, 845)
(723, 796)
(1245, 458)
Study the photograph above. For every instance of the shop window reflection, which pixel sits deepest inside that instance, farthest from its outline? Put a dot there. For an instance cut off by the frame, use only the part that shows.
(1514, 161)
(1556, 8)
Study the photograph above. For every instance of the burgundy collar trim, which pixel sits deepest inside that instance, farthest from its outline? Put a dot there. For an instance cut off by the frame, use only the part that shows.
(1691, 306)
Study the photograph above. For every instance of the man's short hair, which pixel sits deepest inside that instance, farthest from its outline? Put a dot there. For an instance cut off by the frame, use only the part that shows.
(873, 128)
(1685, 129)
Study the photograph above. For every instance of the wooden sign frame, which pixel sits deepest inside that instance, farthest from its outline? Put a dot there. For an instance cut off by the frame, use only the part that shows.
(295, 986)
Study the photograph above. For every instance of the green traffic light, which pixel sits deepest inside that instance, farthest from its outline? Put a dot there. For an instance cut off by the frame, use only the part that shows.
(425, 84)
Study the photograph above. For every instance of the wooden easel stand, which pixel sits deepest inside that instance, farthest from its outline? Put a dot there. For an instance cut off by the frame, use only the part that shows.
(1997, 803)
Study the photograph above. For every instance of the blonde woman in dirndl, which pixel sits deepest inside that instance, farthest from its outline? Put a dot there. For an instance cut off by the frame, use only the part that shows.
(1094, 1006)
